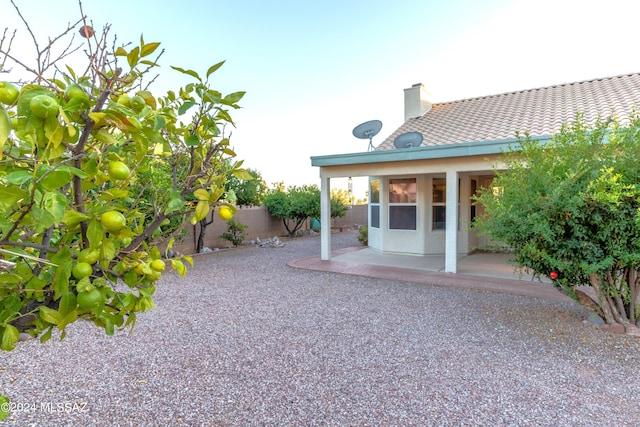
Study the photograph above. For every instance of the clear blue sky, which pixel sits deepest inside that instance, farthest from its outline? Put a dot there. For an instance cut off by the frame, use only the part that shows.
(314, 70)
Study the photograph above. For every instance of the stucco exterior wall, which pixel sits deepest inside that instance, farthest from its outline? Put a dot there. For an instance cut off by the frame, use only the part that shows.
(425, 240)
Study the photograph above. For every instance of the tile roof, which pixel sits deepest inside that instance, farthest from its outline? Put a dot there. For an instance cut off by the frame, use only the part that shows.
(538, 111)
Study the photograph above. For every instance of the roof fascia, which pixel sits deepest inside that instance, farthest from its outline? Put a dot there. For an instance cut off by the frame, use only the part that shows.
(466, 149)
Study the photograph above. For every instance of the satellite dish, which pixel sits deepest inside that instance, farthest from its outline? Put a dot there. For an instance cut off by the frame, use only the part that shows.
(408, 140)
(368, 130)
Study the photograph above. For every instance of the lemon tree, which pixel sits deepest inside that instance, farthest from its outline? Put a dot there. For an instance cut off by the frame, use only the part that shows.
(81, 222)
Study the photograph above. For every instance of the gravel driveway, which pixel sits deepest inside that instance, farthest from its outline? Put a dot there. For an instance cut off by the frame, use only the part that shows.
(245, 340)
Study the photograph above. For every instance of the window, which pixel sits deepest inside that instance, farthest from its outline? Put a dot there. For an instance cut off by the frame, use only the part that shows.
(439, 218)
(402, 204)
(374, 205)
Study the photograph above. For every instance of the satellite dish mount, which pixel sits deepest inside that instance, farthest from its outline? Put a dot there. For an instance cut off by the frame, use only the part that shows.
(368, 130)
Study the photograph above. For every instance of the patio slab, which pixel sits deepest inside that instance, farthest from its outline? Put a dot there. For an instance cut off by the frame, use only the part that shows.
(480, 271)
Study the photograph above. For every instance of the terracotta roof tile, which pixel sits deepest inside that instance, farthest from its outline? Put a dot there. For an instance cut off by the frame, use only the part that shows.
(539, 111)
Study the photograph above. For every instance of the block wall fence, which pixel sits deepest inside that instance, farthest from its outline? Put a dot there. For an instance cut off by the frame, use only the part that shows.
(260, 224)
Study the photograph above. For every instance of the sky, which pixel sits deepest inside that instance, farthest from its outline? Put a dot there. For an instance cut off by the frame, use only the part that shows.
(313, 70)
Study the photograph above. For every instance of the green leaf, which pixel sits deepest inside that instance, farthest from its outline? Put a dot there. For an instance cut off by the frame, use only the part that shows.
(192, 141)
(133, 57)
(72, 218)
(202, 209)
(201, 194)
(18, 177)
(149, 63)
(68, 303)
(242, 174)
(184, 107)
(50, 315)
(55, 203)
(47, 335)
(55, 179)
(120, 51)
(74, 171)
(214, 68)
(42, 219)
(5, 128)
(4, 407)
(71, 72)
(105, 137)
(10, 337)
(174, 205)
(179, 267)
(148, 49)
(233, 98)
(95, 232)
(109, 328)
(189, 72)
(11, 195)
(9, 278)
(114, 194)
(107, 251)
(61, 279)
(159, 123)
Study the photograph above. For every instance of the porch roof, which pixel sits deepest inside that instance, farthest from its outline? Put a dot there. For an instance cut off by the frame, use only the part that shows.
(466, 149)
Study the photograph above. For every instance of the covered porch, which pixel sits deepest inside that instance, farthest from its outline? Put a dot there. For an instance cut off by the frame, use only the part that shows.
(458, 167)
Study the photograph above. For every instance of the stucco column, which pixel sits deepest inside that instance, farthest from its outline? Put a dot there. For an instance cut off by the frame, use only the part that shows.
(325, 218)
(451, 244)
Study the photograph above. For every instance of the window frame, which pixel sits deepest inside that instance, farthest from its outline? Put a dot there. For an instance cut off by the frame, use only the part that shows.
(410, 206)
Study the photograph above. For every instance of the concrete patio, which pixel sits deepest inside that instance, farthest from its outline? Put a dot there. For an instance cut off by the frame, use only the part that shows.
(481, 271)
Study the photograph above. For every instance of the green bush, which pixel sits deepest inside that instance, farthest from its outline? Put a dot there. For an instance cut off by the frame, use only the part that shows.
(363, 235)
(235, 232)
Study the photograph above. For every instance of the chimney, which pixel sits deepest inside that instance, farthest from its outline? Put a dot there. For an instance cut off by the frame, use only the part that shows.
(417, 101)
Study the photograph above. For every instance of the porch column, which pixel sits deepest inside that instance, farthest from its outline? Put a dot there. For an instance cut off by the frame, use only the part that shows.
(325, 218)
(451, 235)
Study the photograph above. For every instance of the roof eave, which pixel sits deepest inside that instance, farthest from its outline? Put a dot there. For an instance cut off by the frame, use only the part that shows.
(465, 149)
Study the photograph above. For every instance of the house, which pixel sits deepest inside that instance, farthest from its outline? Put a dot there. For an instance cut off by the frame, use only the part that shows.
(420, 198)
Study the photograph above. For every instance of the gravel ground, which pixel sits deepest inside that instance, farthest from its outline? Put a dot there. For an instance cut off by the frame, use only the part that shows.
(246, 340)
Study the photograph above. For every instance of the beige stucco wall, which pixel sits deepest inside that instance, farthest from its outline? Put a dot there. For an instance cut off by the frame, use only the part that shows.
(260, 224)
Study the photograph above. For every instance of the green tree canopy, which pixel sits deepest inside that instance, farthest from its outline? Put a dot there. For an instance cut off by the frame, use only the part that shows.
(298, 203)
(570, 210)
(93, 165)
(249, 192)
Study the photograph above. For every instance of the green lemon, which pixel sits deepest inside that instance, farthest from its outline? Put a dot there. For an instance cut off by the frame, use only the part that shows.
(82, 270)
(139, 268)
(44, 106)
(8, 93)
(90, 256)
(113, 221)
(137, 103)
(158, 265)
(89, 299)
(118, 170)
(76, 91)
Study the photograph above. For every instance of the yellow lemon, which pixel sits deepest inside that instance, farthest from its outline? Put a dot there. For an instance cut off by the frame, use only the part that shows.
(225, 213)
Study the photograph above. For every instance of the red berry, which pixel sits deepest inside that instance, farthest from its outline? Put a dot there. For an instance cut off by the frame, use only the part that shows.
(553, 275)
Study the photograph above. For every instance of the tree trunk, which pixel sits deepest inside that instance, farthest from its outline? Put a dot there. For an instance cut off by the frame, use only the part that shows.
(203, 232)
(603, 301)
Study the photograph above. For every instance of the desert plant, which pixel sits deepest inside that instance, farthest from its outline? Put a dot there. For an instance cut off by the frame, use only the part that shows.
(235, 232)
(363, 235)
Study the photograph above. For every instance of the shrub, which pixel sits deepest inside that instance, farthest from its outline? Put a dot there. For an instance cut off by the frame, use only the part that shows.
(235, 232)
(363, 235)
